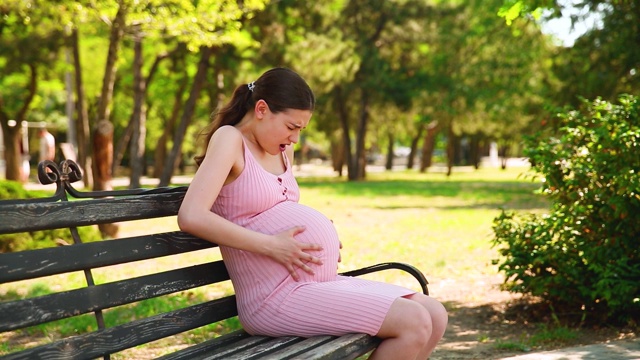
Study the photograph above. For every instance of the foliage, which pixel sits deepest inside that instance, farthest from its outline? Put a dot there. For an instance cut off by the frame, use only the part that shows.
(36, 239)
(584, 254)
(609, 56)
(604, 61)
(12, 190)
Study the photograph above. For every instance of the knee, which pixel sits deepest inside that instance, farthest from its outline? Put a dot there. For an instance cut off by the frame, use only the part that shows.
(419, 326)
(436, 310)
(439, 315)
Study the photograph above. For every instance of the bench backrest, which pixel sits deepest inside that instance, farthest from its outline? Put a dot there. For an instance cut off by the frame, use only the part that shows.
(71, 209)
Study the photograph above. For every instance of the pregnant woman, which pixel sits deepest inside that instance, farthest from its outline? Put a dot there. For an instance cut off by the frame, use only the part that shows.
(283, 256)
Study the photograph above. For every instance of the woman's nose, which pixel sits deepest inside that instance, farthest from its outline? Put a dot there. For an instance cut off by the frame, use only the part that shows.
(295, 136)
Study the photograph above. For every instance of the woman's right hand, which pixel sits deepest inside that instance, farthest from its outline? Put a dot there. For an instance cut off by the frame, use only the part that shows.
(293, 254)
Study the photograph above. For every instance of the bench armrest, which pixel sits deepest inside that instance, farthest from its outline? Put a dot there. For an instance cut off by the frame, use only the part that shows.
(393, 265)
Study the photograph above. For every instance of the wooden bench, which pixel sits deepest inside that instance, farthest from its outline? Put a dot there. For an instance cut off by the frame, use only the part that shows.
(70, 208)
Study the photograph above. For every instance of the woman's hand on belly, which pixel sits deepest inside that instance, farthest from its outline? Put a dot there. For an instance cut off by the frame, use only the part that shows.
(293, 254)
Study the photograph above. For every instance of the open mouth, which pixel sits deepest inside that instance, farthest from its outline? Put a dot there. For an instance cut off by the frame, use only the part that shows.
(283, 147)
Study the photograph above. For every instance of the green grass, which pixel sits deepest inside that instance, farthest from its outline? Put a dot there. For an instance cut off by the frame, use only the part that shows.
(440, 225)
(544, 335)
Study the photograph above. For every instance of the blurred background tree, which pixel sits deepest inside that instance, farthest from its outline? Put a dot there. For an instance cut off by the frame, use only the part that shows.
(448, 79)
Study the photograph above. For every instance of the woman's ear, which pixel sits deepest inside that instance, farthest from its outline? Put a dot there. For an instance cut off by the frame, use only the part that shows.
(261, 108)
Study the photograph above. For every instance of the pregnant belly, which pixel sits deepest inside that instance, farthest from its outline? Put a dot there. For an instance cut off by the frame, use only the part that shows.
(318, 230)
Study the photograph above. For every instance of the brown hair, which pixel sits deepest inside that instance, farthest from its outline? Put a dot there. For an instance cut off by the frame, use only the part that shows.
(280, 88)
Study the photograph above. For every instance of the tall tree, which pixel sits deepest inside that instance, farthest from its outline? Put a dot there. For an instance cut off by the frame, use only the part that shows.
(103, 132)
(170, 119)
(174, 156)
(138, 115)
(225, 26)
(351, 54)
(485, 77)
(83, 135)
(29, 40)
(604, 61)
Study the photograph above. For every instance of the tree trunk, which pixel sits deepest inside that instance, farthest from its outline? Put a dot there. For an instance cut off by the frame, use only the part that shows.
(140, 111)
(161, 149)
(475, 150)
(12, 135)
(69, 103)
(361, 132)
(503, 152)
(12, 152)
(451, 147)
(343, 115)
(414, 146)
(82, 121)
(103, 157)
(103, 150)
(337, 156)
(428, 146)
(121, 145)
(187, 115)
(389, 163)
(138, 117)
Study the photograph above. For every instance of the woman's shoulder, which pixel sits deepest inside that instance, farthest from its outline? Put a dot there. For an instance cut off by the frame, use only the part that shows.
(228, 135)
(225, 151)
(229, 130)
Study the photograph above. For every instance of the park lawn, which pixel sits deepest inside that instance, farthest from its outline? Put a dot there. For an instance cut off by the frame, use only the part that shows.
(441, 225)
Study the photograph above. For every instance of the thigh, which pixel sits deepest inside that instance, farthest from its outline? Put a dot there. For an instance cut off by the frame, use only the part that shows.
(336, 308)
(404, 314)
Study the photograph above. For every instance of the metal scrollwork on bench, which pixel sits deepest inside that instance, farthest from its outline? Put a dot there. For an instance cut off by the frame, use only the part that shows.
(69, 172)
(63, 176)
(30, 214)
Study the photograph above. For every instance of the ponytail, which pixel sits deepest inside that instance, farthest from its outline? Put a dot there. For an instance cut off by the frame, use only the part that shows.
(280, 88)
(231, 114)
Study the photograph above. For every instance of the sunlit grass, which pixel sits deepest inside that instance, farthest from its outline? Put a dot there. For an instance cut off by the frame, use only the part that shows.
(441, 225)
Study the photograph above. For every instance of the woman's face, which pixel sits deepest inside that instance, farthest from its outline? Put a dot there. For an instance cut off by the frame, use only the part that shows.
(283, 129)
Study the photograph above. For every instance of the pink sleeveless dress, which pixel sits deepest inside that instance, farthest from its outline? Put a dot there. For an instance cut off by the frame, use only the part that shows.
(270, 302)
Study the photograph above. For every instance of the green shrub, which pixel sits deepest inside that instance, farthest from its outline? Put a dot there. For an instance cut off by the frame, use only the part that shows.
(584, 255)
(37, 239)
(12, 190)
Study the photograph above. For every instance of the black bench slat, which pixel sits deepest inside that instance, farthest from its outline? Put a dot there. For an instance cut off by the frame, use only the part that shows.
(225, 352)
(201, 350)
(121, 337)
(265, 348)
(54, 215)
(52, 261)
(300, 347)
(28, 312)
(345, 347)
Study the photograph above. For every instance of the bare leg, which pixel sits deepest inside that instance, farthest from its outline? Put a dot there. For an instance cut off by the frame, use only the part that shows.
(412, 328)
(439, 320)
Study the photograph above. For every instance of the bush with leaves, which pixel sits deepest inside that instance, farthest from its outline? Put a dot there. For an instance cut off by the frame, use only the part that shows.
(584, 255)
(37, 239)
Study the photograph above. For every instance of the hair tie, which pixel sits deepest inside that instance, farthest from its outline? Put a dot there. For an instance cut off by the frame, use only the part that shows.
(251, 86)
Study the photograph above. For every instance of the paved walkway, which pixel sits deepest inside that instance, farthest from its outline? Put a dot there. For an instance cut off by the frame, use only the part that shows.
(614, 350)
